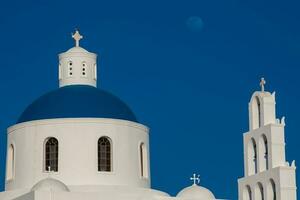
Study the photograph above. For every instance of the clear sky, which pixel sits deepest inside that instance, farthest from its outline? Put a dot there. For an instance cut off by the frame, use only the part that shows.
(186, 68)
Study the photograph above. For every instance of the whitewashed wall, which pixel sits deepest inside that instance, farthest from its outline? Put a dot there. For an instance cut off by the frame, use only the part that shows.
(78, 152)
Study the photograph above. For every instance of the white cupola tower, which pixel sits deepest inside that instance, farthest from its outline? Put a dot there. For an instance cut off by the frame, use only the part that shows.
(77, 66)
(268, 176)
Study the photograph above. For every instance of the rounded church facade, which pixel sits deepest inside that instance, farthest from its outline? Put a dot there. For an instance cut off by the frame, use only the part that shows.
(75, 156)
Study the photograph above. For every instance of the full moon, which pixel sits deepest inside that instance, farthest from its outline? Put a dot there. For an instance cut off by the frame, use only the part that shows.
(194, 24)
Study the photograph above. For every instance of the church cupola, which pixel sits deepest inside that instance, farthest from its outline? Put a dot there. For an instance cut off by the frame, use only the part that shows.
(77, 66)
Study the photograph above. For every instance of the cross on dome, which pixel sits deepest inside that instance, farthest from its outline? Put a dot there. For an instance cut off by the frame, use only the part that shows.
(262, 84)
(195, 179)
(77, 37)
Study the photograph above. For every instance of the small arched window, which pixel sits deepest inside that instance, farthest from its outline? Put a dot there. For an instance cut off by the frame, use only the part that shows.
(271, 190)
(255, 155)
(144, 161)
(258, 112)
(259, 192)
(247, 193)
(264, 153)
(252, 157)
(10, 165)
(255, 121)
(104, 154)
(266, 156)
(51, 154)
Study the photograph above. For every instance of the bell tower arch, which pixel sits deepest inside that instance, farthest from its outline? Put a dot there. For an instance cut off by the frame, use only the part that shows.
(261, 108)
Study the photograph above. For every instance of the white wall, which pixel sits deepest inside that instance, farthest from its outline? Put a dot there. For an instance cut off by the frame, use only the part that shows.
(78, 151)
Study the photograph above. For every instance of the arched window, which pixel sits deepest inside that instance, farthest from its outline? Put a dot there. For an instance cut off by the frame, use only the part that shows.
(271, 190)
(259, 192)
(252, 157)
(10, 164)
(104, 154)
(258, 112)
(264, 155)
(261, 189)
(255, 155)
(51, 154)
(247, 193)
(144, 161)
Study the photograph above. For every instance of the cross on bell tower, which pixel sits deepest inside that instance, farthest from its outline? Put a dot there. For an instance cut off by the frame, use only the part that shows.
(77, 37)
(262, 84)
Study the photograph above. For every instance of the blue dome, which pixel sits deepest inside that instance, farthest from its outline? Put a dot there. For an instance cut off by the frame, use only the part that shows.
(77, 101)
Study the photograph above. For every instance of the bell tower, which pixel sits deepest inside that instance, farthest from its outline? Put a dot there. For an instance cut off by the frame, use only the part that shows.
(267, 174)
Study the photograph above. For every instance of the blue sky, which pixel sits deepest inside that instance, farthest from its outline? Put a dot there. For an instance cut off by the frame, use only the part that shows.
(191, 86)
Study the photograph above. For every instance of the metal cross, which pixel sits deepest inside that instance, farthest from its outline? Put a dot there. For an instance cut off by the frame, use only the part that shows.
(195, 179)
(77, 37)
(262, 84)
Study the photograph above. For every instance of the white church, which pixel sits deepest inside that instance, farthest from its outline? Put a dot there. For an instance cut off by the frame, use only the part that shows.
(106, 154)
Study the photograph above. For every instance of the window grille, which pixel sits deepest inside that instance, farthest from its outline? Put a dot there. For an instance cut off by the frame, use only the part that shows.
(51, 155)
(104, 154)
